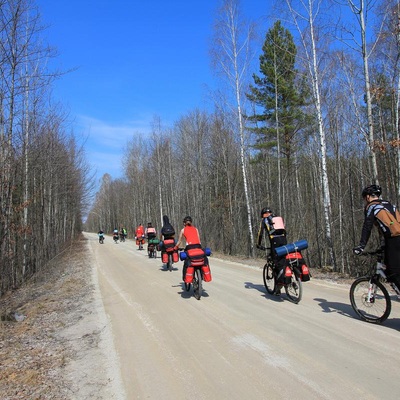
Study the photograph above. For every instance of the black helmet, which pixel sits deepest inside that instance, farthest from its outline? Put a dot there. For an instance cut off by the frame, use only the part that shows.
(187, 219)
(372, 190)
(266, 210)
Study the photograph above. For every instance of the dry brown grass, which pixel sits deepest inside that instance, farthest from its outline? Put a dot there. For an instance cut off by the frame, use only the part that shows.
(32, 355)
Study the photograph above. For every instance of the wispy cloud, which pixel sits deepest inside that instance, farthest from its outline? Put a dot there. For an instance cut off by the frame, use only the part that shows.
(111, 135)
(106, 142)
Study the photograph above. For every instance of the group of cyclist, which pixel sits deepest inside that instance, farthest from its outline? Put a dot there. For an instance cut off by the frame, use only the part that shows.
(117, 235)
(374, 207)
(189, 237)
(273, 227)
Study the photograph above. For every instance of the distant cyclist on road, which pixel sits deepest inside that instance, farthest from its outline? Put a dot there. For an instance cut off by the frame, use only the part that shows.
(139, 236)
(150, 232)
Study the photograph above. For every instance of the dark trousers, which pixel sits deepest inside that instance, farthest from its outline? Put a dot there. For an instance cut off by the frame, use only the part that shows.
(392, 259)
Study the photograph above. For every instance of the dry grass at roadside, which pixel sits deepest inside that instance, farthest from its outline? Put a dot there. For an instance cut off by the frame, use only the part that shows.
(32, 354)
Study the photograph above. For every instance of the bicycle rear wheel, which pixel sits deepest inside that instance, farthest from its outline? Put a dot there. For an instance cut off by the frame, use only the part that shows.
(294, 290)
(374, 308)
(197, 284)
(169, 263)
(269, 278)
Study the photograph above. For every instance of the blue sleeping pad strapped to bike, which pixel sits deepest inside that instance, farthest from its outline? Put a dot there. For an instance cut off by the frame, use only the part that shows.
(291, 248)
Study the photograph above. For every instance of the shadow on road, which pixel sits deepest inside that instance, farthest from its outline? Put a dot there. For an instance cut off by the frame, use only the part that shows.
(333, 306)
(347, 311)
(165, 269)
(261, 288)
(188, 294)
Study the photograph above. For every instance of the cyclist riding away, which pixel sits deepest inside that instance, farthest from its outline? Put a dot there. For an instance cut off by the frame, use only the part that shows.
(139, 236)
(386, 217)
(101, 236)
(190, 235)
(275, 229)
(151, 234)
(167, 243)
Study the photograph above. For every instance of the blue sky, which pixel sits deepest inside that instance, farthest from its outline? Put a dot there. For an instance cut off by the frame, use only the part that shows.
(134, 60)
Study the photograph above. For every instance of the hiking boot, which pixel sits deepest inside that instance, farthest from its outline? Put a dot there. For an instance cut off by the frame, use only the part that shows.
(277, 291)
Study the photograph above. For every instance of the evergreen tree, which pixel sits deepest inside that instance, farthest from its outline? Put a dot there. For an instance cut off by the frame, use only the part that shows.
(279, 95)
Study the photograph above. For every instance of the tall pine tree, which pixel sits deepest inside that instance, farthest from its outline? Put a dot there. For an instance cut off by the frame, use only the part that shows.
(279, 95)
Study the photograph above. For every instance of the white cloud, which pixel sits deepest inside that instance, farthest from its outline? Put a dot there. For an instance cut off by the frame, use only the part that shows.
(109, 135)
(106, 142)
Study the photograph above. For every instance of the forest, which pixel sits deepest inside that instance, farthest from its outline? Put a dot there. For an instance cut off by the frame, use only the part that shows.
(302, 133)
(45, 179)
(305, 115)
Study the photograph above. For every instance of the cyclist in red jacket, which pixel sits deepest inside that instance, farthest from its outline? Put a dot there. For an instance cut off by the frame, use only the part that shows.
(190, 235)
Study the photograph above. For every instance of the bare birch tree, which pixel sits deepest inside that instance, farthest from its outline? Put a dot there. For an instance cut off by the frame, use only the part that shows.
(304, 14)
(361, 10)
(232, 56)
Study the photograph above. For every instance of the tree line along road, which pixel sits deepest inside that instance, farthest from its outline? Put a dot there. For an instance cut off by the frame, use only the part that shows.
(238, 342)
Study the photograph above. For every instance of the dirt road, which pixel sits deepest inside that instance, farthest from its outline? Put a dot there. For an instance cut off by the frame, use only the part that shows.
(238, 342)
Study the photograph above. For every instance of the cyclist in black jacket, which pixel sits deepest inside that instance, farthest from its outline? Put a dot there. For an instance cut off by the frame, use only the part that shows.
(390, 244)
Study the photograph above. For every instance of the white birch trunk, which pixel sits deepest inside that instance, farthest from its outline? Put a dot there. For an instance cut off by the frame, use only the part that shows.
(314, 74)
(233, 60)
(365, 56)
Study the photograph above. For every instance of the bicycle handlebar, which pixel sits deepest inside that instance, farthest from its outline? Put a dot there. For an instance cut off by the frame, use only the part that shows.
(372, 253)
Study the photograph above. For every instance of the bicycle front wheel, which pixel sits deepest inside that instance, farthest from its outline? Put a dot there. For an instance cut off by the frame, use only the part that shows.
(370, 300)
(294, 290)
(197, 284)
(269, 278)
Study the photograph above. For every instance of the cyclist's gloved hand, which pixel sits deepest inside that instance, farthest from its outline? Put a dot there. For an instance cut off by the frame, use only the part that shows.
(358, 250)
(260, 247)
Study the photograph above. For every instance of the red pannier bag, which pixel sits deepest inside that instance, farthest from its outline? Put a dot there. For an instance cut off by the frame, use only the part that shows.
(169, 245)
(196, 257)
(164, 257)
(206, 273)
(305, 273)
(301, 265)
(175, 256)
(189, 275)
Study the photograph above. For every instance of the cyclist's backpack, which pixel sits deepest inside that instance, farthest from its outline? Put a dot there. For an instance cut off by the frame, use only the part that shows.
(276, 231)
(168, 230)
(388, 216)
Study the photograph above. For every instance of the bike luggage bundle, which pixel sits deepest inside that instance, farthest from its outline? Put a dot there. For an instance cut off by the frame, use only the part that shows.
(291, 247)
